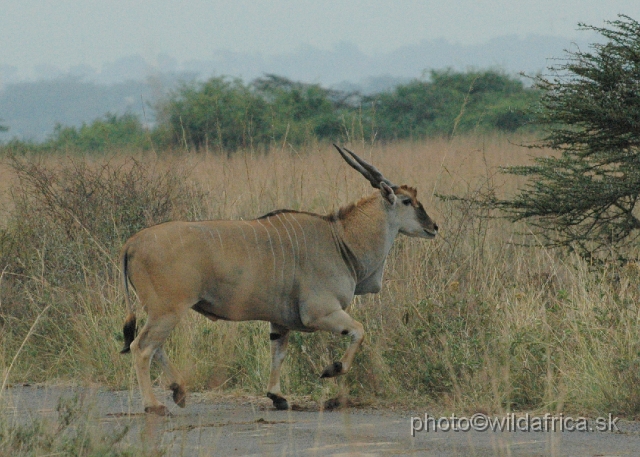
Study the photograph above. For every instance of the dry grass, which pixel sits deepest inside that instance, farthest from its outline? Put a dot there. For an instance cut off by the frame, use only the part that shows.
(470, 321)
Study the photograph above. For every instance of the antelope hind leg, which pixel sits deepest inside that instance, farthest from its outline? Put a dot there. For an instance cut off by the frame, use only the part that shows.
(176, 383)
(279, 337)
(143, 348)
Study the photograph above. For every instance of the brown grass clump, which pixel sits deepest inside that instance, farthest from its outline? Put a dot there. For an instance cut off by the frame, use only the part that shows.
(470, 321)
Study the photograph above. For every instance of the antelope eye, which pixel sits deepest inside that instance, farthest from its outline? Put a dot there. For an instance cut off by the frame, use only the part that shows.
(406, 202)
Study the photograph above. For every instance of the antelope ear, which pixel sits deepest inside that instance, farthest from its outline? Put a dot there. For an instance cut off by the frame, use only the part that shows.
(387, 193)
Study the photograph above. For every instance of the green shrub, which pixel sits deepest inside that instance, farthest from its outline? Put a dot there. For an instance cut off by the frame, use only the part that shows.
(110, 132)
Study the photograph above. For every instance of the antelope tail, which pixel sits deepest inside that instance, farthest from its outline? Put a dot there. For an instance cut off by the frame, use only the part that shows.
(129, 329)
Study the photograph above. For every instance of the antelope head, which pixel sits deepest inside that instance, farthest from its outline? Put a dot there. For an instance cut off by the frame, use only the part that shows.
(401, 202)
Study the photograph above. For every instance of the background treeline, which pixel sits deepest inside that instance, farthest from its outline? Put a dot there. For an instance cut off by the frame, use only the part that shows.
(224, 114)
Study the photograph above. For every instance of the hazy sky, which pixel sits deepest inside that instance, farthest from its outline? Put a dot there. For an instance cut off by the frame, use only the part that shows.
(65, 33)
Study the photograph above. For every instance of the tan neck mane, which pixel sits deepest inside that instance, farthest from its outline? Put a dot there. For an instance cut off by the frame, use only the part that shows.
(351, 210)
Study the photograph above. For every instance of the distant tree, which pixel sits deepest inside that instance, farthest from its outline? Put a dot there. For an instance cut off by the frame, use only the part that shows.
(220, 113)
(299, 111)
(450, 102)
(227, 114)
(586, 196)
(3, 128)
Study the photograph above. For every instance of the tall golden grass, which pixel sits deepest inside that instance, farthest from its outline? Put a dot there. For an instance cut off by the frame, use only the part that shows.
(470, 321)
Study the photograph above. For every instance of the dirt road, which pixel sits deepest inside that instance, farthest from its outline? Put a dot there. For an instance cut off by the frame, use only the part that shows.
(239, 426)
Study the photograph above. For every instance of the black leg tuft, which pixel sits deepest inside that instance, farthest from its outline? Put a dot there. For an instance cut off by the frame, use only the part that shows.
(332, 370)
(279, 402)
(129, 332)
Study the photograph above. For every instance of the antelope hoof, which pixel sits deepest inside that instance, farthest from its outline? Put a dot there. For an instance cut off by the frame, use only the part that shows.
(332, 370)
(335, 403)
(280, 403)
(179, 394)
(159, 410)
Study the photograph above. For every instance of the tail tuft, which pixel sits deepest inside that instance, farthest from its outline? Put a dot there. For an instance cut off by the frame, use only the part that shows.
(129, 332)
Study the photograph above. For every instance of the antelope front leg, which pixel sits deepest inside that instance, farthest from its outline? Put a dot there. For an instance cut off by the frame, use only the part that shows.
(340, 322)
(279, 337)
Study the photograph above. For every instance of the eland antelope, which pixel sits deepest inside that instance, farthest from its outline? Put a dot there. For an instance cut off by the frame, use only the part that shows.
(296, 270)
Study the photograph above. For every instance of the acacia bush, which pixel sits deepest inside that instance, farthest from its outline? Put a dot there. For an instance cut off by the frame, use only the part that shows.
(585, 196)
